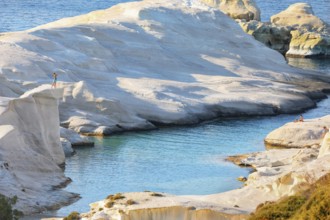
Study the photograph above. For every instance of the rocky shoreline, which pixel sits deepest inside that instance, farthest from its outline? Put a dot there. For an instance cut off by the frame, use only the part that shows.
(278, 173)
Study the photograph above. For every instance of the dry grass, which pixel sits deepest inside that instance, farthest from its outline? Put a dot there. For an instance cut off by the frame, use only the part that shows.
(310, 204)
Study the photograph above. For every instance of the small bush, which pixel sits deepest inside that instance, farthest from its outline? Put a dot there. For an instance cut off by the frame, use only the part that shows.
(72, 216)
(156, 194)
(130, 202)
(283, 209)
(109, 204)
(6, 210)
(116, 197)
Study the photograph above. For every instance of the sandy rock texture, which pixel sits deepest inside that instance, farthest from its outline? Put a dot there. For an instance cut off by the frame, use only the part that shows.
(237, 9)
(30, 151)
(140, 64)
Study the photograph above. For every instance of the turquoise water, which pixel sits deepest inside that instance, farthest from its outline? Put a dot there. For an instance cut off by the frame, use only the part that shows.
(178, 160)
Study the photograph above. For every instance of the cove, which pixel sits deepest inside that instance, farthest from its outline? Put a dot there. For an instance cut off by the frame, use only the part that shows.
(176, 160)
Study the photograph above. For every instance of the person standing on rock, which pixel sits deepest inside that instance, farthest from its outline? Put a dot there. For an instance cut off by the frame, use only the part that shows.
(54, 80)
(325, 131)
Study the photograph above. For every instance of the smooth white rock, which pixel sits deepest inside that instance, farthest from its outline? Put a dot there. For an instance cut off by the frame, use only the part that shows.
(325, 146)
(31, 151)
(67, 147)
(74, 138)
(141, 63)
(299, 134)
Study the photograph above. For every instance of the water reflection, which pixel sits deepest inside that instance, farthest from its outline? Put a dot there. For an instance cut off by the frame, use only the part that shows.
(320, 64)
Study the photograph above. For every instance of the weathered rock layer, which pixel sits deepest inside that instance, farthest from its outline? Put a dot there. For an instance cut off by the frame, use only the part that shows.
(30, 151)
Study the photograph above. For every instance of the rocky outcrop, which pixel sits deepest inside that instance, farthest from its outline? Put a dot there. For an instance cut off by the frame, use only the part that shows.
(299, 16)
(274, 37)
(294, 32)
(30, 151)
(309, 44)
(237, 9)
(298, 134)
(74, 138)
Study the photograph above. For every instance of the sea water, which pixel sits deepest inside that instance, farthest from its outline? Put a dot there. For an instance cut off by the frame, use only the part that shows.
(178, 160)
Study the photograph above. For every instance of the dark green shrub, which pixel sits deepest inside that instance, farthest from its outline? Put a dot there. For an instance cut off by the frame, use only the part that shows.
(130, 202)
(156, 194)
(72, 216)
(6, 210)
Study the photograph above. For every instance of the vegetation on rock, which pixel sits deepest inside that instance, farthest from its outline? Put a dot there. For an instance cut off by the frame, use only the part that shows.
(72, 216)
(310, 204)
(6, 210)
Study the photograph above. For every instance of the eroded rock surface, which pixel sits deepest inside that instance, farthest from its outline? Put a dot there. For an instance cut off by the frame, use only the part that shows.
(31, 152)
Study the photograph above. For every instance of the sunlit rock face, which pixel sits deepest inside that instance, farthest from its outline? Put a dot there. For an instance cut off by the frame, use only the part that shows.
(299, 16)
(237, 9)
(294, 32)
(140, 64)
(299, 134)
(309, 44)
(31, 152)
(310, 35)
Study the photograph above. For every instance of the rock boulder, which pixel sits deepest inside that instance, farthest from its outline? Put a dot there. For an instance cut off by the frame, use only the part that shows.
(237, 9)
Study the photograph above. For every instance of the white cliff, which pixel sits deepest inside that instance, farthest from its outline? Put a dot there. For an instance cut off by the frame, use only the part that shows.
(30, 151)
(140, 64)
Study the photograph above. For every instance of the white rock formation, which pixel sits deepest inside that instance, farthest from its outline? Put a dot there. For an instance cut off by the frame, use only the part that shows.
(299, 16)
(74, 138)
(325, 146)
(237, 9)
(31, 152)
(142, 63)
(299, 134)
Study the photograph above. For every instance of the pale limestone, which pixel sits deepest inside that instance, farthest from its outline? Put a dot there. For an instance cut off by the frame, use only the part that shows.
(31, 151)
(299, 16)
(299, 134)
(138, 64)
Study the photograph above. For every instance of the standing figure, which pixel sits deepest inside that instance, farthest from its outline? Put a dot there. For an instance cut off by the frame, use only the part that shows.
(54, 80)
(325, 130)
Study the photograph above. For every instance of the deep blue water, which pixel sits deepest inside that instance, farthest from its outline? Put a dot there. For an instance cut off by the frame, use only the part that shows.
(178, 160)
(24, 14)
